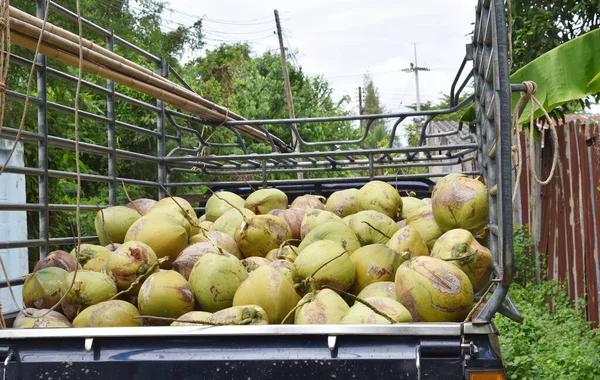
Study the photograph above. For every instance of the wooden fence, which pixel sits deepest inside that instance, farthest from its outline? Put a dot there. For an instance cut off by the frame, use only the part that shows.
(564, 216)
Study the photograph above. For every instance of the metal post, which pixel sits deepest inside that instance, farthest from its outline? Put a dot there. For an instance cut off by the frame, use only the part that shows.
(417, 79)
(162, 68)
(360, 107)
(43, 142)
(110, 113)
(288, 86)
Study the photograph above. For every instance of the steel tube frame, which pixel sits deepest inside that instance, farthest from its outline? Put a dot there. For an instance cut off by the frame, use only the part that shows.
(43, 142)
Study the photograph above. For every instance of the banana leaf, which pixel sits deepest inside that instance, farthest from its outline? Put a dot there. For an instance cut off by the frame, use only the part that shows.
(568, 72)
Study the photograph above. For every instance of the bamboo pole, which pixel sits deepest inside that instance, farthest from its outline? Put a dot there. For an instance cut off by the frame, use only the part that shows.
(158, 93)
(66, 35)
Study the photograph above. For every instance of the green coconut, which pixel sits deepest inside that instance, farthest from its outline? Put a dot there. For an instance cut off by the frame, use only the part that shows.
(97, 264)
(343, 202)
(141, 205)
(59, 259)
(460, 248)
(410, 204)
(407, 243)
(372, 263)
(166, 238)
(31, 314)
(286, 268)
(309, 202)
(372, 227)
(362, 314)
(379, 289)
(286, 252)
(165, 294)
(254, 262)
(89, 288)
(260, 234)
(221, 202)
(113, 313)
(460, 202)
(230, 221)
(130, 261)
(240, 315)
(221, 239)
(334, 231)
(315, 218)
(264, 200)
(269, 289)
(423, 221)
(185, 261)
(89, 251)
(381, 197)
(214, 280)
(176, 205)
(112, 223)
(192, 318)
(320, 308)
(41, 290)
(177, 216)
(434, 290)
(328, 263)
(43, 323)
(293, 217)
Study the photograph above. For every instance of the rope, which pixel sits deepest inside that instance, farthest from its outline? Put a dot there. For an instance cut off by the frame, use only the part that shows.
(5, 55)
(78, 202)
(529, 97)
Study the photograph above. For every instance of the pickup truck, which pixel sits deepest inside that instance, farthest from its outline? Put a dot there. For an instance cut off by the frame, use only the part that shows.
(460, 350)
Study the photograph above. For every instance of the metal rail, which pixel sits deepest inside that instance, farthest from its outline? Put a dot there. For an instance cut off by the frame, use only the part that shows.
(186, 154)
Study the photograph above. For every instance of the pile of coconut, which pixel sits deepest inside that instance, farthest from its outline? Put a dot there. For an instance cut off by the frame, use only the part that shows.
(365, 255)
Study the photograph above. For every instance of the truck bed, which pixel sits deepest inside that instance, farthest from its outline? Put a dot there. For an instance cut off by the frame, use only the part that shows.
(406, 351)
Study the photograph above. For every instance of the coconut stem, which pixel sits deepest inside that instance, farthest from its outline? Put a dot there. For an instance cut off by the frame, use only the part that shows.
(185, 213)
(104, 229)
(310, 298)
(138, 279)
(373, 308)
(370, 225)
(326, 263)
(129, 198)
(229, 203)
(463, 259)
(245, 321)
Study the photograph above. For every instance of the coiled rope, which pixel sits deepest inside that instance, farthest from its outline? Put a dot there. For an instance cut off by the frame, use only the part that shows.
(529, 97)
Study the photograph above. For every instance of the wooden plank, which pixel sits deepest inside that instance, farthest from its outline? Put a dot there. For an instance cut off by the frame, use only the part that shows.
(595, 166)
(588, 222)
(548, 199)
(524, 183)
(578, 271)
(562, 234)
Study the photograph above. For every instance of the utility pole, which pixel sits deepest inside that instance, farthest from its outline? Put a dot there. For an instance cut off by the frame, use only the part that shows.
(360, 107)
(415, 69)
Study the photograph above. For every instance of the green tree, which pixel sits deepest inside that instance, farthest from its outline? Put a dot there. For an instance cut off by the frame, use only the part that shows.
(253, 87)
(540, 26)
(378, 135)
(138, 22)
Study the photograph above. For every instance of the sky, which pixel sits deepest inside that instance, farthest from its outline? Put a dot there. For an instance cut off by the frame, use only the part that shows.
(344, 39)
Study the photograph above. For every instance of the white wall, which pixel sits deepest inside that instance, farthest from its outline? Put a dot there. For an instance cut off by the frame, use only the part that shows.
(13, 224)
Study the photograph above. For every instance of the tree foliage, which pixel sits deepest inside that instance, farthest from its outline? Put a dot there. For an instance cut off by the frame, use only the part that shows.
(540, 26)
(378, 135)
